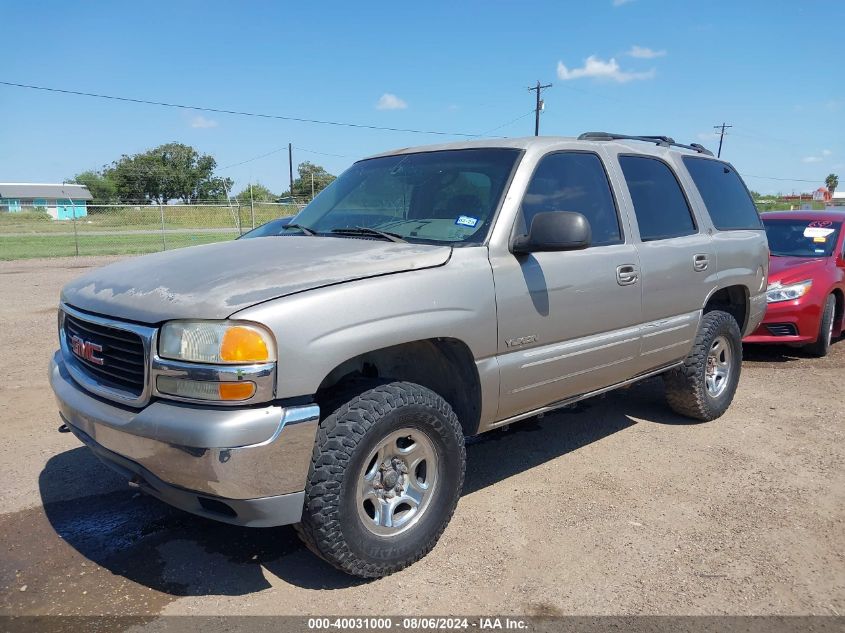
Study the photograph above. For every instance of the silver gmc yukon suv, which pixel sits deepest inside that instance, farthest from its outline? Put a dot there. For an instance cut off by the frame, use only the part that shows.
(328, 375)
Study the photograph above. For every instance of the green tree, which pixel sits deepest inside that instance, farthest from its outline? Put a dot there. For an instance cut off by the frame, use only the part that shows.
(101, 186)
(214, 189)
(138, 178)
(256, 192)
(832, 182)
(172, 171)
(312, 180)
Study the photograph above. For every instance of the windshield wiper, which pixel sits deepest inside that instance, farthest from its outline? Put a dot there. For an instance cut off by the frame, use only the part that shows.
(304, 229)
(366, 230)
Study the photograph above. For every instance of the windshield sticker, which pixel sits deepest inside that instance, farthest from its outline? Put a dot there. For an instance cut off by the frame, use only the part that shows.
(820, 240)
(817, 231)
(821, 224)
(468, 220)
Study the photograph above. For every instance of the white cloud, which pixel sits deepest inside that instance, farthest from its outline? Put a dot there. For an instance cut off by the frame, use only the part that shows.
(811, 159)
(826, 152)
(600, 69)
(619, 3)
(389, 101)
(201, 122)
(643, 52)
(707, 136)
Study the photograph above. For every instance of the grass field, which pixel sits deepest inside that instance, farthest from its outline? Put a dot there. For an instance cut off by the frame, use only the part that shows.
(28, 246)
(146, 217)
(128, 230)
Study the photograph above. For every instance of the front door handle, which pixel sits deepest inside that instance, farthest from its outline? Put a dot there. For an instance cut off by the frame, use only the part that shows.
(700, 262)
(627, 274)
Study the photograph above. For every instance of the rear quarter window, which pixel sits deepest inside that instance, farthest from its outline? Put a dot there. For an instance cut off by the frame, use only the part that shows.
(659, 203)
(727, 200)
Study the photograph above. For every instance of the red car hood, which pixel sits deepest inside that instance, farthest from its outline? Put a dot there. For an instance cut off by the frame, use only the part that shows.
(792, 269)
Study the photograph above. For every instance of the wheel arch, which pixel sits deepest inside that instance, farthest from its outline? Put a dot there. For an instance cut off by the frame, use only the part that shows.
(735, 300)
(444, 365)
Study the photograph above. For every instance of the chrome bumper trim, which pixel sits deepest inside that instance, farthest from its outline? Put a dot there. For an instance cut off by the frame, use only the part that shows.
(261, 512)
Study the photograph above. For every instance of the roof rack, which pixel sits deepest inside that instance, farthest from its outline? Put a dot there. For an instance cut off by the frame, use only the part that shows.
(663, 141)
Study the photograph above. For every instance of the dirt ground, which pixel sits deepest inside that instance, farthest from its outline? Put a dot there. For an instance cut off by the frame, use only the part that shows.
(617, 506)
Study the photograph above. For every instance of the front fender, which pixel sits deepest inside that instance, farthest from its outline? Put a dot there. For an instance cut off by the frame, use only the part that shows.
(319, 329)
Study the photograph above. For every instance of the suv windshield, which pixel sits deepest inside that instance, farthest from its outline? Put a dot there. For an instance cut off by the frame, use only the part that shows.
(801, 238)
(443, 196)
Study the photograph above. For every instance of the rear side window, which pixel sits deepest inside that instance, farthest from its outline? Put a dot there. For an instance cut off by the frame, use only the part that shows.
(573, 181)
(725, 196)
(661, 208)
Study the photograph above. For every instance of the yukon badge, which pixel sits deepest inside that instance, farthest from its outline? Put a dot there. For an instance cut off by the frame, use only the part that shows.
(522, 340)
(86, 350)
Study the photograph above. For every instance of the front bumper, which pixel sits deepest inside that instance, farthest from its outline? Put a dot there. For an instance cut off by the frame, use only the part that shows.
(788, 323)
(245, 466)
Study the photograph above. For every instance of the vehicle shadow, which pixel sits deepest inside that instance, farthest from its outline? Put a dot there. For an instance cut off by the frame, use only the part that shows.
(156, 546)
(774, 353)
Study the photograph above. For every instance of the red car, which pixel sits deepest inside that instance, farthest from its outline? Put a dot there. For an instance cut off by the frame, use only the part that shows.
(806, 293)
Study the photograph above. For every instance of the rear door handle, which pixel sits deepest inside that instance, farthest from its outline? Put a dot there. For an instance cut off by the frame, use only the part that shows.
(627, 274)
(700, 262)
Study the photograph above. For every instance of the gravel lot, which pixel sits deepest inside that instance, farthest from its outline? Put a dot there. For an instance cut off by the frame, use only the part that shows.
(616, 506)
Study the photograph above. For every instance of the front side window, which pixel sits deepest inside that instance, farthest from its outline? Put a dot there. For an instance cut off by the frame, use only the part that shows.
(727, 200)
(573, 181)
(801, 238)
(448, 196)
(659, 203)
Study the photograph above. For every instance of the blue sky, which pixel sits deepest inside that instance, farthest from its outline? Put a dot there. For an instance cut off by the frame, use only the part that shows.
(772, 69)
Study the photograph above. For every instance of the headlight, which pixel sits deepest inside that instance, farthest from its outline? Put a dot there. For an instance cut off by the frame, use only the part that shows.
(216, 342)
(776, 293)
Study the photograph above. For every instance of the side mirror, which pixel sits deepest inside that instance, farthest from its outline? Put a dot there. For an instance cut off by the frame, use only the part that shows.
(554, 231)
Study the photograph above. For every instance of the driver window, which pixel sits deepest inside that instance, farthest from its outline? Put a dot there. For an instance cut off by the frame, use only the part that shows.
(573, 181)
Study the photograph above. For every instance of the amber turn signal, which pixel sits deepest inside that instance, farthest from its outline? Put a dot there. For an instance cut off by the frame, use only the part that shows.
(236, 390)
(243, 344)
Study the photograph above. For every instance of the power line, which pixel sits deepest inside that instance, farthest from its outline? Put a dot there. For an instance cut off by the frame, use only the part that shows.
(312, 151)
(779, 179)
(249, 160)
(235, 112)
(499, 127)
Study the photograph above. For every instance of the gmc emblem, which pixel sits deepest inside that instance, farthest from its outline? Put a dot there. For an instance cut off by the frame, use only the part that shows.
(86, 350)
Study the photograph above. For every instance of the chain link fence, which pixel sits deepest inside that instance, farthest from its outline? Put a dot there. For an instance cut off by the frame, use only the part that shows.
(121, 229)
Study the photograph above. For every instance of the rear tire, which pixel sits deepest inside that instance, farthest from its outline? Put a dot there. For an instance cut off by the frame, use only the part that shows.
(386, 473)
(704, 386)
(822, 345)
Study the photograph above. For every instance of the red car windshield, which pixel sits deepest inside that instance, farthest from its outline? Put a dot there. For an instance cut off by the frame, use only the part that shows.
(802, 238)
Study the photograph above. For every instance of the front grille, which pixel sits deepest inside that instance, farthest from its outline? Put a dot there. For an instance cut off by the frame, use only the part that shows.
(782, 329)
(123, 365)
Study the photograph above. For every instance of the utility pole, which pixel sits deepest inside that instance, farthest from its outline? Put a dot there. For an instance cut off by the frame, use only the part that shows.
(251, 204)
(290, 167)
(539, 105)
(721, 136)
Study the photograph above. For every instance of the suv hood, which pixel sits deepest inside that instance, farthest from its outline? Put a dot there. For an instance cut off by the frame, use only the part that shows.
(791, 269)
(217, 280)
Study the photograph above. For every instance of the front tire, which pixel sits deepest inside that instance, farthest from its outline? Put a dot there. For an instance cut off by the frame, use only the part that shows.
(822, 345)
(386, 474)
(704, 386)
